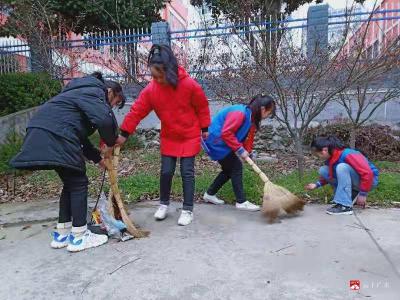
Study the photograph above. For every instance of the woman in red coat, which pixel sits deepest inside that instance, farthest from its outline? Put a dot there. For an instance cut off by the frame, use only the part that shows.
(182, 108)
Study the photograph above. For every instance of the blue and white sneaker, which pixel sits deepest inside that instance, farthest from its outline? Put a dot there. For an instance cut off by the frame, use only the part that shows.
(59, 240)
(87, 239)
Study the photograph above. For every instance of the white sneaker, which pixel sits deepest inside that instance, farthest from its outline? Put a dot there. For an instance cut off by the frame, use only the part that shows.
(59, 240)
(85, 241)
(186, 218)
(61, 235)
(161, 212)
(247, 206)
(212, 199)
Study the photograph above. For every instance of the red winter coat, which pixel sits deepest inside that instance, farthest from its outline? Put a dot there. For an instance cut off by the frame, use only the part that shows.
(183, 113)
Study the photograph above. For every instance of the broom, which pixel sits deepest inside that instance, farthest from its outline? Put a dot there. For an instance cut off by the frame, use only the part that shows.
(276, 198)
(115, 198)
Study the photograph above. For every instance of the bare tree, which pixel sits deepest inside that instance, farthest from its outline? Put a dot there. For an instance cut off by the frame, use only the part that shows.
(37, 26)
(302, 85)
(376, 84)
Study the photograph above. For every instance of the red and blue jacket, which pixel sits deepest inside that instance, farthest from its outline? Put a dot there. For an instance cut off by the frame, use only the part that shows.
(365, 169)
(231, 129)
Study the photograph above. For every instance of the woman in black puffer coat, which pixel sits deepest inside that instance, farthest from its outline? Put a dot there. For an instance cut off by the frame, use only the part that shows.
(57, 138)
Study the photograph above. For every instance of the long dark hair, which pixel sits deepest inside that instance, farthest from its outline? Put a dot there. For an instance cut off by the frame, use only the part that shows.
(161, 57)
(113, 85)
(256, 103)
(330, 142)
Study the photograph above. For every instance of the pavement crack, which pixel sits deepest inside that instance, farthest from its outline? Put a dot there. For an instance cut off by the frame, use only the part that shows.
(86, 286)
(124, 265)
(283, 248)
(381, 250)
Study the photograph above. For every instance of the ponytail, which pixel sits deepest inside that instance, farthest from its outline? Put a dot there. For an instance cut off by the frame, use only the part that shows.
(330, 142)
(256, 103)
(162, 57)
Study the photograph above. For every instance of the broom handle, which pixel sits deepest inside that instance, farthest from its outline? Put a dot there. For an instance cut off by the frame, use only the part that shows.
(112, 166)
(256, 169)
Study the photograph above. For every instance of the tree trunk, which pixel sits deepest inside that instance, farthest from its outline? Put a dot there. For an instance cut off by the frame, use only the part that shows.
(353, 132)
(300, 156)
(40, 50)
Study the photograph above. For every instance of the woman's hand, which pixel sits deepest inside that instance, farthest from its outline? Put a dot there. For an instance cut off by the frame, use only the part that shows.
(361, 201)
(120, 140)
(310, 186)
(244, 155)
(107, 152)
(102, 164)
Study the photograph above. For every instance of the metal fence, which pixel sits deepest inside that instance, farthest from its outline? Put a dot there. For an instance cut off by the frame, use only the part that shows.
(122, 54)
(14, 55)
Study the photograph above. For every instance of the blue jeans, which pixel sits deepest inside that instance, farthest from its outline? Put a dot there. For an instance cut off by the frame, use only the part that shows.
(347, 179)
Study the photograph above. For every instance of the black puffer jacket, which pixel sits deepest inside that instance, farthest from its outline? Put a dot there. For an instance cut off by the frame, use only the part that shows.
(57, 135)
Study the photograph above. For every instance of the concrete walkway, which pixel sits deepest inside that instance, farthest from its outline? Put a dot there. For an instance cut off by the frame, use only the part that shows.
(224, 254)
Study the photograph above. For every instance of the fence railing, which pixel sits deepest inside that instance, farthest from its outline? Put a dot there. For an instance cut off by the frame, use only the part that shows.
(122, 54)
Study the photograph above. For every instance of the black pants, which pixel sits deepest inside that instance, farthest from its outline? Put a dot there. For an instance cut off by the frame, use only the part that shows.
(232, 169)
(73, 200)
(168, 165)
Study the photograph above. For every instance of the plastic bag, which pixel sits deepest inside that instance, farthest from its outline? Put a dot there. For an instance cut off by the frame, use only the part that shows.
(114, 227)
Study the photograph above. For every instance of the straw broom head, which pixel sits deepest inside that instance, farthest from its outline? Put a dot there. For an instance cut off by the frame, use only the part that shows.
(276, 199)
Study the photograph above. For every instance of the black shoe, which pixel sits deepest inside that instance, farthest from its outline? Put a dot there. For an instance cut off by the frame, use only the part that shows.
(339, 209)
(354, 194)
(96, 228)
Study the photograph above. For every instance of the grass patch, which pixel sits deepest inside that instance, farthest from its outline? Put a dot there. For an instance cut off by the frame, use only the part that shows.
(93, 171)
(142, 184)
(388, 166)
(292, 183)
(43, 177)
(152, 157)
(139, 185)
(386, 192)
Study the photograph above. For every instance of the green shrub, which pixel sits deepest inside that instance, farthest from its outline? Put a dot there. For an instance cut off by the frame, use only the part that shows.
(20, 91)
(8, 150)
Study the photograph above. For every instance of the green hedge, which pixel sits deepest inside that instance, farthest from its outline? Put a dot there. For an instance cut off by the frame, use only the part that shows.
(20, 91)
(8, 150)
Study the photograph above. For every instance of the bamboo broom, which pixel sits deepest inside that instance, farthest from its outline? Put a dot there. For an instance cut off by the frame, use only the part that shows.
(276, 198)
(115, 200)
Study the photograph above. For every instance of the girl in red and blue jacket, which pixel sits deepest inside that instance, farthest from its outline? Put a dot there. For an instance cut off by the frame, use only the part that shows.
(347, 170)
(231, 135)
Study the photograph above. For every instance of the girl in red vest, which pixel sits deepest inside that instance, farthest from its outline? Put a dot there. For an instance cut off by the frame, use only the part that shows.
(231, 137)
(347, 170)
(182, 108)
